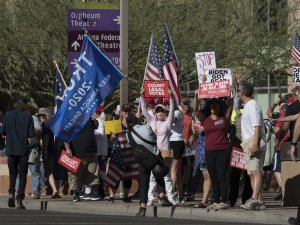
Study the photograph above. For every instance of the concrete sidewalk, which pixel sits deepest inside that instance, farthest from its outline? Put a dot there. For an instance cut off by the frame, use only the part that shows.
(273, 215)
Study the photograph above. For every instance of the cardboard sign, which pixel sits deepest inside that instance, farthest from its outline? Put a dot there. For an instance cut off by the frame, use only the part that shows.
(113, 127)
(204, 61)
(156, 89)
(296, 75)
(213, 75)
(71, 164)
(214, 89)
(237, 159)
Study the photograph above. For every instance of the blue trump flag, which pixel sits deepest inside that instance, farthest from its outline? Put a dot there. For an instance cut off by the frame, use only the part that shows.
(94, 78)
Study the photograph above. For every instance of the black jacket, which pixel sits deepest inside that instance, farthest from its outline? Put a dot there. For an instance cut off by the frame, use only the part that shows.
(17, 127)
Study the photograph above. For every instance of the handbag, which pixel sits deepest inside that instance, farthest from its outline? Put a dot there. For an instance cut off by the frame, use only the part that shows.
(145, 158)
(34, 154)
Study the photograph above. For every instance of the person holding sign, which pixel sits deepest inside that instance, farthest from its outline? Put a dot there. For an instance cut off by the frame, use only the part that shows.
(253, 133)
(215, 119)
(160, 123)
(84, 147)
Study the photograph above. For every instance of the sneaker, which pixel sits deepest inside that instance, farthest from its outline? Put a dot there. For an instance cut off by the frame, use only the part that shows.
(87, 197)
(181, 200)
(251, 204)
(261, 205)
(150, 202)
(174, 200)
(164, 202)
(76, 198)
(111, 200)
(95, 197)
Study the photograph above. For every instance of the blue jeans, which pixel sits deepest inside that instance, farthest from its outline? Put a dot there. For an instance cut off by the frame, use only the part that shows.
(38, 176)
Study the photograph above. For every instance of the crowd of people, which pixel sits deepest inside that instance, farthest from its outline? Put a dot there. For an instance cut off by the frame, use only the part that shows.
(166, 147)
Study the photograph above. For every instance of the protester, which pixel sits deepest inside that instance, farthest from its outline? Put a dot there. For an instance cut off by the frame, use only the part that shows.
(200, 168)
(252, 125)
(17, 128)
(143, 135)
(130, 165)
(84, 147)
(236, 173)
(283, 104)
(161, 125)
(215, 119)
(177, 146)
(102, 146)
(47, 141)
(36, 167)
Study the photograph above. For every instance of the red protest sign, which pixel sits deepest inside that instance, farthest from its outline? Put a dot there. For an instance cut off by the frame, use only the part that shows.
(237, 159)
(71, 164)
(214, 89)
(156, 89)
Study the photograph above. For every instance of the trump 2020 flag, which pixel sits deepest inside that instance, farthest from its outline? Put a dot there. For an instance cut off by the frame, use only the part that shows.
(94, 78)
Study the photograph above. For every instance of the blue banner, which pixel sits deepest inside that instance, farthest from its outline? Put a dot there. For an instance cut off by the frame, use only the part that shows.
(94, 78)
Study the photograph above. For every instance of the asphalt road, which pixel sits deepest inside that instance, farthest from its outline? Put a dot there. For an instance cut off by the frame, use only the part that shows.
(32, 217)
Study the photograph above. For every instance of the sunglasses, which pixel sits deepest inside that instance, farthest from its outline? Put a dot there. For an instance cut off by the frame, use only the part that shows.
(160, 110)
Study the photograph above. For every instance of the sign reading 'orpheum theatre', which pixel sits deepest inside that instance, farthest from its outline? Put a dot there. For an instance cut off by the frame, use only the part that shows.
(102, 21)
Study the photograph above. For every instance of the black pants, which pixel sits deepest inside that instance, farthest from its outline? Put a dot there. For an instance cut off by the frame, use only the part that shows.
(217, 165)
(17, 165)
(235, 175)
(144, 179)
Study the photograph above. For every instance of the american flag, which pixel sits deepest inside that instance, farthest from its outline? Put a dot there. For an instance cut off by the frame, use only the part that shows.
(122, 165)
(154, 64)
(296, 49)
(171, 68)
(60, 87)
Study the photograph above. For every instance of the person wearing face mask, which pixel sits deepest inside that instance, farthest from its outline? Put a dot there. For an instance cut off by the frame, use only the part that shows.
(160, 122)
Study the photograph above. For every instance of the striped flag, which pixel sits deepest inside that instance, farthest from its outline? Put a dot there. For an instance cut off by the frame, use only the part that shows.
(122, 165)
(153, 69)
(171, 68)
(296, 49)
(60, 87)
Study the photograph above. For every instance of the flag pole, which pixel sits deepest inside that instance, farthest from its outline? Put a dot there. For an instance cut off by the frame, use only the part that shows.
(148, 58)
(55, 63)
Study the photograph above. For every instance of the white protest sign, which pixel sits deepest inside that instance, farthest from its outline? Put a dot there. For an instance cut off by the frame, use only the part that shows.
(296, 75)
(213, 75)
(204, 61)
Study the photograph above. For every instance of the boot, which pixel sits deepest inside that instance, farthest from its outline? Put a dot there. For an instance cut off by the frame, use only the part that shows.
(141, 212)
(20, 204)
(11, 201)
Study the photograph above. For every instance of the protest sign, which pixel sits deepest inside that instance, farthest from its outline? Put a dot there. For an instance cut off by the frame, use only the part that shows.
(296, 75)
(214, 89)
(204, 61)
(218, 74)
(113, 127)
(237, 159)
(71, 164)
(156, 89)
